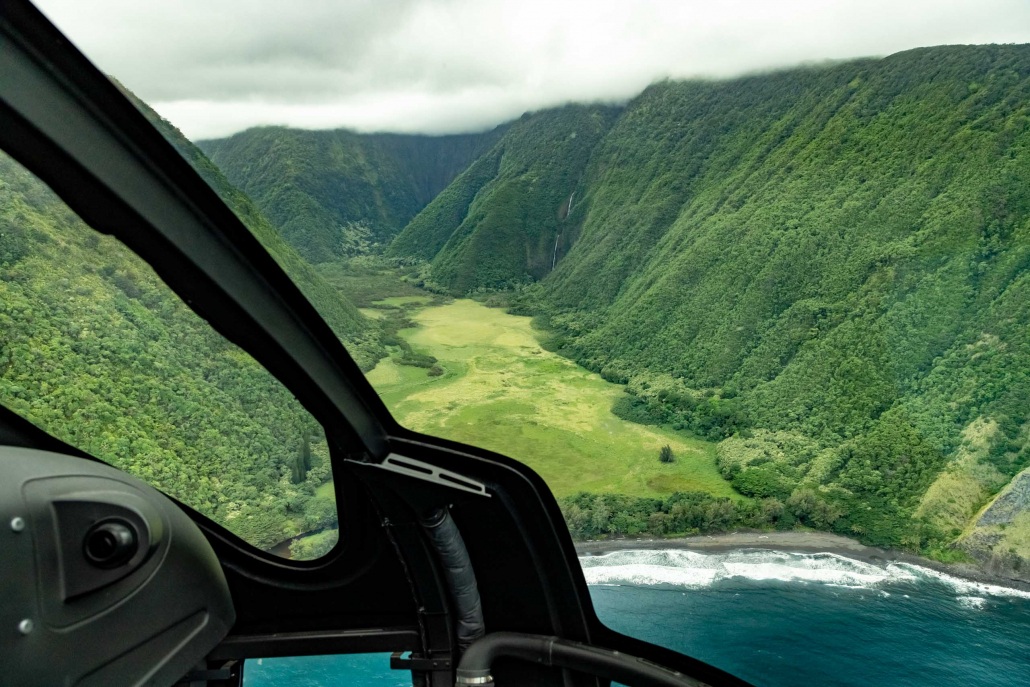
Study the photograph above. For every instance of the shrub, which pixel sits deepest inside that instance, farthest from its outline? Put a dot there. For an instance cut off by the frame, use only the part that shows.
(665, 454)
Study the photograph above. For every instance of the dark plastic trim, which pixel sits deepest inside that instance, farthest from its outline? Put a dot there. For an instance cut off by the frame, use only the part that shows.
(317, 643)
(476, 664)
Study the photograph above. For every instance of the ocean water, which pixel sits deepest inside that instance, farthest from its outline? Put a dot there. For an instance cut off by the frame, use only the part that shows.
(781, 619)
(775, 619)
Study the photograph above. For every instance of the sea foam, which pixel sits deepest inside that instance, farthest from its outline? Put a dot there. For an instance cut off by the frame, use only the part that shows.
(694, 570)
(962, 586)
(971, 601)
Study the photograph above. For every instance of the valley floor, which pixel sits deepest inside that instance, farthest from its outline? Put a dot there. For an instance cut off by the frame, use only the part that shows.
(500, 390)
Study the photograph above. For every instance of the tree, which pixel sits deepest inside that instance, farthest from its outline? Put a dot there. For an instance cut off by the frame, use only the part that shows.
(665, 454)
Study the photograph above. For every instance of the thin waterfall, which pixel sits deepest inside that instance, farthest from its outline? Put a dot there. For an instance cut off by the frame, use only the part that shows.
(557, 237)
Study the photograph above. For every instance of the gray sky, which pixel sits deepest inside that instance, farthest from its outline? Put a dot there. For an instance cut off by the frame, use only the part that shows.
(441, 66)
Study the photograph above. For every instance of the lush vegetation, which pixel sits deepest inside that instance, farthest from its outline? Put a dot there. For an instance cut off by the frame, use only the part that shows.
(503, 222)
(825, 268)
(97, 351)
(500, 390)
(591, 516)
(360, 336)
(813, 287)
(428, 231)
(367, 280)
(334, 194)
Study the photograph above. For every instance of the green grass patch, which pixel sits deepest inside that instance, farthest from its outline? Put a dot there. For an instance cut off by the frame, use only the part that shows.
(365, 282)
(400, 301)
(502, 391)
(326, 491)
(315, 545)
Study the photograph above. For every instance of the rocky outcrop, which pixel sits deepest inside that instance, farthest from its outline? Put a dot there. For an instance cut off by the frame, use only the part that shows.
(1000, 539)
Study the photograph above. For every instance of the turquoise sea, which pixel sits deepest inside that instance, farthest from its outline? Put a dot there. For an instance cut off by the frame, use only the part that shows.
(776, 619)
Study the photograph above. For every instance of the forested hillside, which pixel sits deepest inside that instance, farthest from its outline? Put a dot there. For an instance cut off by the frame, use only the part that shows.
(360, 335)
(503, 221)
(96, 350)
(333, 194)
(824, 268)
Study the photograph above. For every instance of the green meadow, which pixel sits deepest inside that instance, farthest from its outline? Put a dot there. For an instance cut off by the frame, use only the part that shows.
(500, 390)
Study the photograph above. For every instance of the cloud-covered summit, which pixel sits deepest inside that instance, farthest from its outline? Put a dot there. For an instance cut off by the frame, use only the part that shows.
(443, 66)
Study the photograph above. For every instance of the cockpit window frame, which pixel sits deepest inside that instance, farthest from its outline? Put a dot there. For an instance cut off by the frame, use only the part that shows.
(73, 128)
(76, 131)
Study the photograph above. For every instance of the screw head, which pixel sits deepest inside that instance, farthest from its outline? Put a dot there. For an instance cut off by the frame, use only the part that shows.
(26, 626)
(17, 524)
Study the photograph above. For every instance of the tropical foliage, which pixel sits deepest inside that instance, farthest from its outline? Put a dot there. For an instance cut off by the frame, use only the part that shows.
(503, 222)
(98, 352)
(824, 268)
(334, 194)
(359, 334)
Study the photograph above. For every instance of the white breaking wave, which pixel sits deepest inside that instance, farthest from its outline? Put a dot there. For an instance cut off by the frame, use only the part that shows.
(652, 575)
(962, 586)
(650, 568)
(693, 570)
(972, 601)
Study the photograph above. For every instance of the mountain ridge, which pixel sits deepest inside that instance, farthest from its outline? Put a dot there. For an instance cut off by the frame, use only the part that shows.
(830, 258)
(822, 268)
(517, 201)
(337, 193)
(346, 321)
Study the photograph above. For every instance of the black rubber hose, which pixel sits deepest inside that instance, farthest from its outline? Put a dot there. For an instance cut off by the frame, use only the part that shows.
(450, 547)
(474, 668)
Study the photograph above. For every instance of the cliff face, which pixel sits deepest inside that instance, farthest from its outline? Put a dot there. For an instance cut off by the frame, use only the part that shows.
(331, 194)
(1000, 537)
(503, 222)
(836, 259)
(360, 335)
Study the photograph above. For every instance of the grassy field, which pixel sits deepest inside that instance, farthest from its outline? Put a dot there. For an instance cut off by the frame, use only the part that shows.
(365, 281)
(502, 391)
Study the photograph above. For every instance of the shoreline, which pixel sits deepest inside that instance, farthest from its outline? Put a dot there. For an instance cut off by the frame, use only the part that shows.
(798, 542)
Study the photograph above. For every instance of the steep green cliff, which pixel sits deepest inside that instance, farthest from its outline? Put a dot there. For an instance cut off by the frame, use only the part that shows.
(502, 222)
(360, 335)
(337, 193)
(97, 351)
(829, 258)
